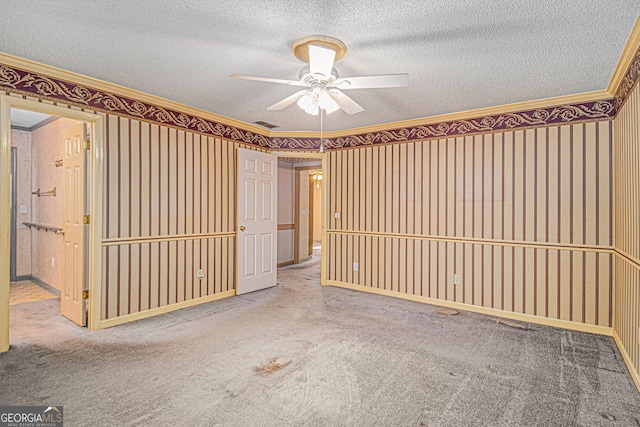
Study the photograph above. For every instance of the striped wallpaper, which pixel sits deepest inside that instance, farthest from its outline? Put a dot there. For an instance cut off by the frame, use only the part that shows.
(627, 230)
(169, 210)
(523, 216)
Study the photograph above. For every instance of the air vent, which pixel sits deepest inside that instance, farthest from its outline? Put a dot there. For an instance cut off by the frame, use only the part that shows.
(265, 124)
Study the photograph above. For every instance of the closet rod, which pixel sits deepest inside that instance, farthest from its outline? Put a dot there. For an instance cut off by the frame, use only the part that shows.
(45, 193)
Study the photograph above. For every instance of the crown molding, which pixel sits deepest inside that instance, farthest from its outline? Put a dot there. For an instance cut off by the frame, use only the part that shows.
(578, 98)
(112, 88)
(629, 53)
(29, 78)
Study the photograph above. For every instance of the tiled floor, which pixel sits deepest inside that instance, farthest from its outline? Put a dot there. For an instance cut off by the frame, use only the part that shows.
(27, 291)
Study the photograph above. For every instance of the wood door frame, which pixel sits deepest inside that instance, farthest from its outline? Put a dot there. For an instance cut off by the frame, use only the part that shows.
(312, 190)
(296, 203)
(322, 157)
(93, 256)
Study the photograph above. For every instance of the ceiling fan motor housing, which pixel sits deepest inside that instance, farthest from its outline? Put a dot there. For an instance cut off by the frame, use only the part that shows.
(308, 78)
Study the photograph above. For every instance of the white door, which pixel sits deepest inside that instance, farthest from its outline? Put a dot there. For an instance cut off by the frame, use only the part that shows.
(72, 306)
(257, 220)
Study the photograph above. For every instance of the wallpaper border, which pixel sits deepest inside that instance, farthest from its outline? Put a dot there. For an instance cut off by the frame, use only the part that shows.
(591, 111)
(17, 80)
(628, 82)
(14, 79)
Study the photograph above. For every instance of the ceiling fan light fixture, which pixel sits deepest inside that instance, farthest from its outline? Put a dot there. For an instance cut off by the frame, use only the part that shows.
(309, 104)
(327, 103)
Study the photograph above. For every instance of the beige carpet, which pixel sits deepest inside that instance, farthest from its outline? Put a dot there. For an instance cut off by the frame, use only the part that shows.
(27, 291)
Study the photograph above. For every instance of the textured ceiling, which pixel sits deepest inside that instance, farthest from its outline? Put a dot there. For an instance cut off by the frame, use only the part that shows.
(460, 54)
(27, 119)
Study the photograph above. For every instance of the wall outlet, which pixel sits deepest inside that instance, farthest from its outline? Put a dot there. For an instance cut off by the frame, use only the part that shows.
(200, 274)
(336, 215)
(457, 279)
(53, 261)
(355, 266)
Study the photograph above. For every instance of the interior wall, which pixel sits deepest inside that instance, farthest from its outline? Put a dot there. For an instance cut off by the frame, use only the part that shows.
(22, 141)
(46, 248)
(303, 215)
(317, 212)
(286, 203)
(169, 210)
(523, 216)
(627, 231)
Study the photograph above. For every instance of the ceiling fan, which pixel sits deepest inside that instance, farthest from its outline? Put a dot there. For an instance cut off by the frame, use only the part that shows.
(323, 87)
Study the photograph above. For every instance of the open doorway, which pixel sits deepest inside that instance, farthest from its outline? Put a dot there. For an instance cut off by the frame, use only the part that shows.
(300, 208)
(48, 177)
(46, 207)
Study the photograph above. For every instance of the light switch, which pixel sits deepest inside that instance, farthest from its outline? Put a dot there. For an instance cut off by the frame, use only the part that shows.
(336, 215)
(23, 209)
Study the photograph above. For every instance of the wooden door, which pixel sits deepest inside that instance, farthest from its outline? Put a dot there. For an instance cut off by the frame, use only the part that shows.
(257, 221)
(72, 305)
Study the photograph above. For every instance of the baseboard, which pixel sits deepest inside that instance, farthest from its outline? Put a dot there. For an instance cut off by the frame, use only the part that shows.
(161, 310)
(634, 374)
(556, 323)
(21, 278)
(44, 285)
(286, 263)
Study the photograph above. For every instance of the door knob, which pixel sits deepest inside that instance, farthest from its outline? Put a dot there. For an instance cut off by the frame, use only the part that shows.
(242, 228)
(60, 232)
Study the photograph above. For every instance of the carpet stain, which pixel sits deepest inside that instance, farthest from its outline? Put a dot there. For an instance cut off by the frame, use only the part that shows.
(608, 417)
(446, 311)
(514, 325)
(272, 365)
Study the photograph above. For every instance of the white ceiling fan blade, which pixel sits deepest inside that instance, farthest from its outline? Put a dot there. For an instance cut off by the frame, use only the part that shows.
(287, 101)
(370, 82)
(347, 104)
(268, 80)
(321, 61)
